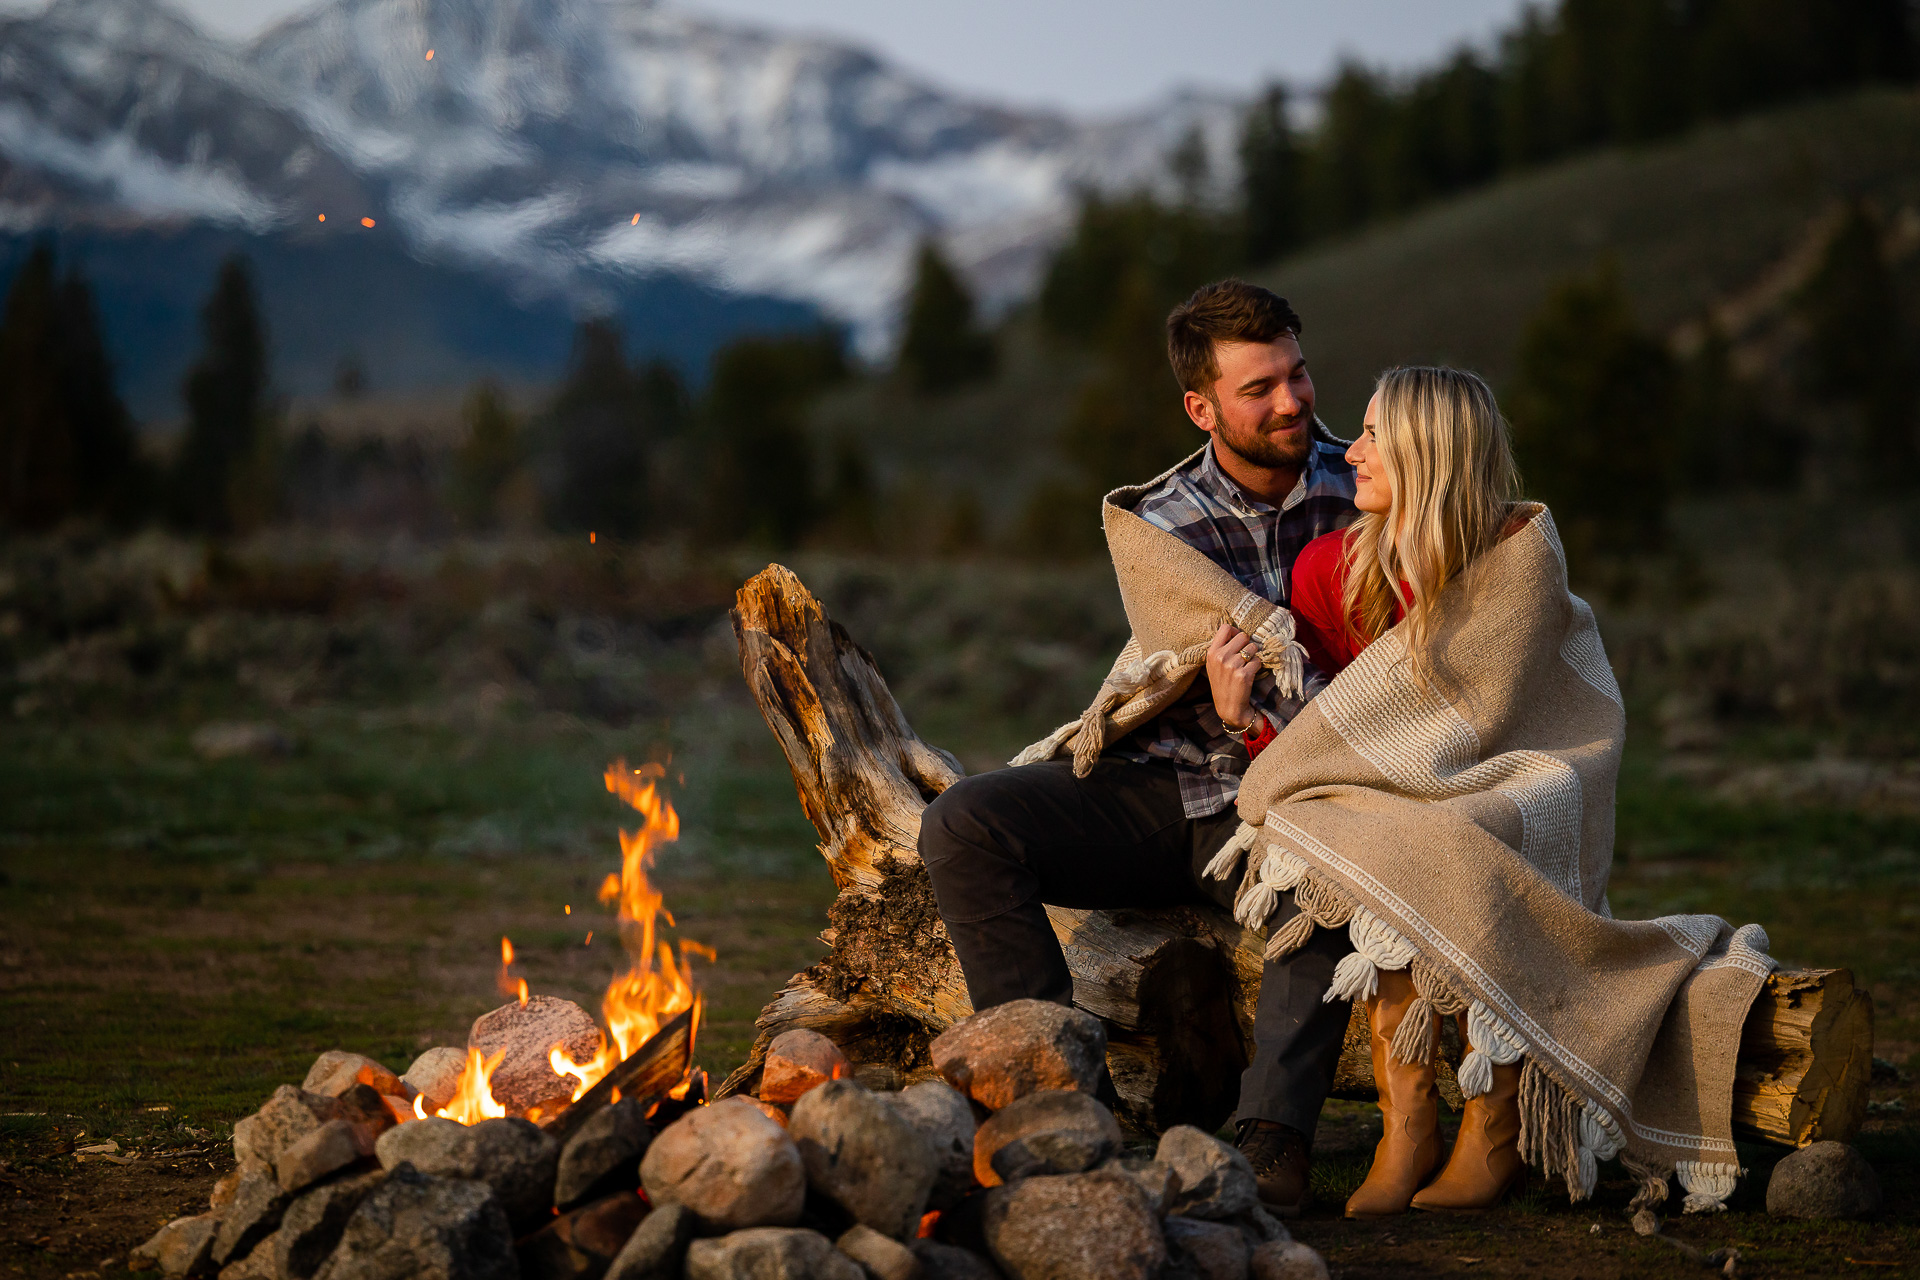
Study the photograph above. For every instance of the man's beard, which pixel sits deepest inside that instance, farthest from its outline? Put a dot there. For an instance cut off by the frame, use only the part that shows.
(1256, 448)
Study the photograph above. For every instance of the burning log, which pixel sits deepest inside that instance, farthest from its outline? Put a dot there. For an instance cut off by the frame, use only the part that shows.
(1175, 987)
(656, 1068)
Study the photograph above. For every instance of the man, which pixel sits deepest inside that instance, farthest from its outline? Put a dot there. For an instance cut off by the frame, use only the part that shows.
(1139, 828)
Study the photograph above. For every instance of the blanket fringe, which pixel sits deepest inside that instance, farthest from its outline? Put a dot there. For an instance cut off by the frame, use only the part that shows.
(1418, 1034)
(1550, 1131)
(1226, 863)
(1653, 1185)
(1707, 1184)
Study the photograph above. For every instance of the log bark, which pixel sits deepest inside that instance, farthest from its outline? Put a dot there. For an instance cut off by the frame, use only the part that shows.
(1176, 986)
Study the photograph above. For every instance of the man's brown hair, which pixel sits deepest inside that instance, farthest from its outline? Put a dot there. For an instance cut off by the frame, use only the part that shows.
(1225, 311)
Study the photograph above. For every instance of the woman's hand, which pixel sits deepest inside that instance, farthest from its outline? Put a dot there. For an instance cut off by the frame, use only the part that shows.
(1233, 664)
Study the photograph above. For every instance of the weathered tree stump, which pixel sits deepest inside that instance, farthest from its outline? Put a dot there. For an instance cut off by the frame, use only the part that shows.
(1175, 986)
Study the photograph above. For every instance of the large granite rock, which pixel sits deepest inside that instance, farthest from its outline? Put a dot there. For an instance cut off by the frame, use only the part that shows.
(514, 1158)
(1216, 1181)
(184, 1247)
(1072, 1226)
(797, 1061)
(420, 1227)
(335, 1145)
(527, 1033)
(945, 1120)
(730, 1165)
(1160, 1183)
(657, 1250)
(770, 1253)
(582, 1244)
(253, 1215)
(1015, 1048)
(1048, 1131)
(288, 1116)
(1824, 1180)
(604, 1156)
(861, 1154)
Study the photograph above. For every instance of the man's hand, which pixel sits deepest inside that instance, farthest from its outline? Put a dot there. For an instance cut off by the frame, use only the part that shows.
(1233, 664)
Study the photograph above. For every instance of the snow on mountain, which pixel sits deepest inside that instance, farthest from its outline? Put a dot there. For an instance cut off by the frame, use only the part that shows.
(564, 144)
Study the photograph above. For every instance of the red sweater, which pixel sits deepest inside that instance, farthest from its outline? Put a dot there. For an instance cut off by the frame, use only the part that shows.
(1319, 582)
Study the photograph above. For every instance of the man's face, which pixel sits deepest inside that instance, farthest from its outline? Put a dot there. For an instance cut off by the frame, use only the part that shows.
(1261, 406)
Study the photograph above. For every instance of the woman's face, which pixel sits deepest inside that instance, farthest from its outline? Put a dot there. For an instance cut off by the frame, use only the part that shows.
(1371, 491)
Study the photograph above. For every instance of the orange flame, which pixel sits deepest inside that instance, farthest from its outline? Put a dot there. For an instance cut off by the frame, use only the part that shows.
(508, 984)
(473, 1099)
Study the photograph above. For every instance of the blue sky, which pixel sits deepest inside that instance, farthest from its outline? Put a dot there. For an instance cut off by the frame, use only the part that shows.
(1082, 55)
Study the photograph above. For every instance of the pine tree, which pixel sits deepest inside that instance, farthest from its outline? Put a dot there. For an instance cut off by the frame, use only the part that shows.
(1859, 352)
(111, 478)
(761, 484)
(37, 463)
(600, 438)
(491, 453)
(221, 473)
(1593, 406)
(942, 348)
(1270, 178)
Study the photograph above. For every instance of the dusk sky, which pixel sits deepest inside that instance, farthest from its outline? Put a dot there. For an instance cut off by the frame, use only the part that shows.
(1084, 55)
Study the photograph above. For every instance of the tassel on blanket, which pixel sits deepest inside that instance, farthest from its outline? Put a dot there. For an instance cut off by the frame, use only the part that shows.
(1290, 937)
(1092, 738)
(1226, 863)
(1653, 1185)
(1490, 1043)
(1376, 946)
(1550, 1129)
(1708, 1185)
(1280, 653)
(1418, 1035)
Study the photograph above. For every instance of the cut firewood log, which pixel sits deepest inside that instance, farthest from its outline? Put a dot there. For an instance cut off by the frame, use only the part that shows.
(1175, 986)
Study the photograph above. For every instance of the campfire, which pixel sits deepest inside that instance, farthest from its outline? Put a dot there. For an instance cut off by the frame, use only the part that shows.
(555, 1147)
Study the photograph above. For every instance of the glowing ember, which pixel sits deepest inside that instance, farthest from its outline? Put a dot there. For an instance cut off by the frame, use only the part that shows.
(429, 55)
(635, 222)
(366, 222)
(323, 217)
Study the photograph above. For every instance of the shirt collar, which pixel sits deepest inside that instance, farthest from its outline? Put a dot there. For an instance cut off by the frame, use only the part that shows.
(1224, 487)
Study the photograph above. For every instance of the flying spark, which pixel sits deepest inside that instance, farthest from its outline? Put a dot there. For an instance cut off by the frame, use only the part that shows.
(367, 222)
(429, 55)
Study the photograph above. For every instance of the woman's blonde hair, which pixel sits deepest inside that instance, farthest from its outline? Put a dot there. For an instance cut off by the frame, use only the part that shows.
(1448, 462)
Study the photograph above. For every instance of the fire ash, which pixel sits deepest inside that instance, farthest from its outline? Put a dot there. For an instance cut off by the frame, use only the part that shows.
(658, 983)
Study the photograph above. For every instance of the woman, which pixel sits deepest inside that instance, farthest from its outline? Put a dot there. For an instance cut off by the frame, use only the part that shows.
(1435, 483)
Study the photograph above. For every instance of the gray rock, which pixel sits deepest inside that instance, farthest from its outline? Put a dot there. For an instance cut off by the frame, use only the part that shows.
(881, 1257)
(1216, 1181)
(605, 1154)
(1286, 1260)
(1824, 1180)
(797, 1061)
(950, 1262)
(1210, 1250)
(770, 1253)
(336, 1071)
(254, 1214)
(288, 1116)
(658, 1249)
(257, 1265)
(1048, 1131)
(184, 1247)
(525, 1078)
(945, 1120)
(582, 1244)
(730, 1165)
(511, 1156)
(435, 1075)
(862, 1155)
(418, 1227)
(311, 1227)
(1160, 1183)
(335, 1145)
(1015, 1048)
(1071, 1226)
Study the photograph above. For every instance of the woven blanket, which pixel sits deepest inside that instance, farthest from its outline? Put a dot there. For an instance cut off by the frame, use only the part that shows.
(1459, 823)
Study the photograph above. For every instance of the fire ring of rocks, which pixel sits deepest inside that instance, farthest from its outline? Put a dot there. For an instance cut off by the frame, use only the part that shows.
(1000, 1162)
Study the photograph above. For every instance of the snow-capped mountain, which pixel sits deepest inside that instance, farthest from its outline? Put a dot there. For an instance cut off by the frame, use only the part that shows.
(567, 145)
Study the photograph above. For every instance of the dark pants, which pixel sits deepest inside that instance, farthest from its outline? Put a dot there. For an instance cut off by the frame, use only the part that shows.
(999, 845)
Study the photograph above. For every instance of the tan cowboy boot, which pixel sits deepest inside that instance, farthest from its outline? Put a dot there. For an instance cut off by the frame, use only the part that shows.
(1486, 1156)
(1409, 1149)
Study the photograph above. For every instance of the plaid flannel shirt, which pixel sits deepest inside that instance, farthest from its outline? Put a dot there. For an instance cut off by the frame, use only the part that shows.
(1256, 543)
